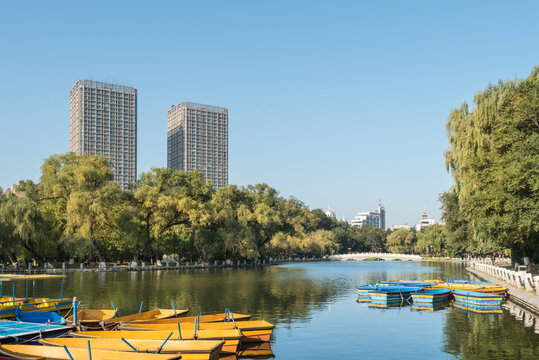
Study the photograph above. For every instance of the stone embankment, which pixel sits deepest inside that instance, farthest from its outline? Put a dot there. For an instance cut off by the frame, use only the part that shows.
(523, 287)
(142, 266)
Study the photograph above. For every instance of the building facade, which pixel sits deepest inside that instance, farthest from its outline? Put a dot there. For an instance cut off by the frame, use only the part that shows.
(330, 213)
(424, 221)
(398, 227)
(375, 218)
(197, 139)
(103, 122)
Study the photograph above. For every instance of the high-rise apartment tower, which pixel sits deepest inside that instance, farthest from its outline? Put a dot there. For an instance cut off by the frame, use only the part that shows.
(103, 121)
(197, 139)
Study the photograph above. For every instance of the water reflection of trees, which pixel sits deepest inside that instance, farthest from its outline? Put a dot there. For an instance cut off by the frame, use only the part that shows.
(473, 336)
(276, 294)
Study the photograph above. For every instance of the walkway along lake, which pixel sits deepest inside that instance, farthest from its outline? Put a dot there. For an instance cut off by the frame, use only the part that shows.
(314, 308)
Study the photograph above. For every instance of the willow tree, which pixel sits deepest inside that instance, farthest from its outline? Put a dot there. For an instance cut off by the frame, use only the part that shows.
(431, 239)
(493, 157)
(168, 201)
(74, 195)
(26, 228)
(401, 241)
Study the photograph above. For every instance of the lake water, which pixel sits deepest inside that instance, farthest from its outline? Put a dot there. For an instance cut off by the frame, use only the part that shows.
(314, 308)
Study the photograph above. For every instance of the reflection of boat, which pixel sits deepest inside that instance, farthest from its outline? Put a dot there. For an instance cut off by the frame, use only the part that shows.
(252, 330)
(200, 318)
(393, 294)
(363, 299)
(476, 298)
(431, 296)
(488, 309)
(260, 351)
(231, 337)
(430, 306)
(59, 353)
(40, 317)
(189, 349)
(383, 304)
(364, 290)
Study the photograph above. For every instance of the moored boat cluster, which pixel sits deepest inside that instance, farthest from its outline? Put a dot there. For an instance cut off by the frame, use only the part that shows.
(474, 296)
(102, 334)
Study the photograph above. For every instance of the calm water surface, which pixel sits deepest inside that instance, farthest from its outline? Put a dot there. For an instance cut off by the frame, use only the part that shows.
(314, 308)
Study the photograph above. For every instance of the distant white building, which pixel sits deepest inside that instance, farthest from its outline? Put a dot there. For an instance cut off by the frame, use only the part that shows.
(330, 213)
(13, 190)
(375, 218)
(424, 221)
(397, 227)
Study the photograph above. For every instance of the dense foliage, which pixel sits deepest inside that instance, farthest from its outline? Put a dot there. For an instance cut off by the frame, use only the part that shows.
(77, 211)
(493, 156)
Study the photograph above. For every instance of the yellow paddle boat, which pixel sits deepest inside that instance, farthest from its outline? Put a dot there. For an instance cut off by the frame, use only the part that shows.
(156, 314)
(201, 319)
(9, 305)
(231, 337)
(189, 349)
(252, 330)
(479, 287)
(34, 352)
(93, 318)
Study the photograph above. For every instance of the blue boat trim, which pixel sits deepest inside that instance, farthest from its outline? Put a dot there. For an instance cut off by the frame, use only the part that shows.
(13, 331)
(40, 317)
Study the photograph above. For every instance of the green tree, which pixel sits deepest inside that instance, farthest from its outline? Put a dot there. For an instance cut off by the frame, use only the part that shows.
(90, 221)
(431, 240)
(349, 238)
(494, 159)
(457, 241)
(167, 200)
(375, 238)
(402, 241)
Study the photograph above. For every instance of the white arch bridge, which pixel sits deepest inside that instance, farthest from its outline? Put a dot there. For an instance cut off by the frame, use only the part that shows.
(366, 255)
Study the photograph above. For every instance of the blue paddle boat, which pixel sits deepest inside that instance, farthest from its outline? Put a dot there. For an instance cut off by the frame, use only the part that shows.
(393, 294)
(431, 296)
(476, 298)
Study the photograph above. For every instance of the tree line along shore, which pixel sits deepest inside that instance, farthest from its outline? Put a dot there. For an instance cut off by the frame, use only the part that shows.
(76, 210)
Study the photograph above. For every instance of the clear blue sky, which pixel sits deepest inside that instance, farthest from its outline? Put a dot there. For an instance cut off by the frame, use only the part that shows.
(335, 102)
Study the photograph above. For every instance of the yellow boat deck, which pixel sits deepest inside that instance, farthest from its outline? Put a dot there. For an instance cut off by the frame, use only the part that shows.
(58, 353)
(156, 314)
(189, 349)
(203, 319)
(252, 330)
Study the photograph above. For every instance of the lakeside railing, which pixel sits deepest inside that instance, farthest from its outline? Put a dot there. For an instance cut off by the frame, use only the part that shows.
(519, 279)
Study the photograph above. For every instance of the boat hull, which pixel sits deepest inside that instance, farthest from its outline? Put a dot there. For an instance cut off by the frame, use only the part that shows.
(388, 298)
(477, 298)
(483, 309)
(24, 352)
(189, 349)
(230, 337)
(431, 296)
(479, 301)
(252, 330)
(8, 309)
(191, 319)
